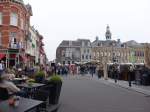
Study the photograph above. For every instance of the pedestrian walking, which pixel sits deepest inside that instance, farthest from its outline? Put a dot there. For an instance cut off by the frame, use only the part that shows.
(130, 74)
(99, 71)
(1, 67)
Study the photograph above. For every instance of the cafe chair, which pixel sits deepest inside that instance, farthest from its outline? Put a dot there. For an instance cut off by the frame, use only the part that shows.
(42, 96)
(3, 94)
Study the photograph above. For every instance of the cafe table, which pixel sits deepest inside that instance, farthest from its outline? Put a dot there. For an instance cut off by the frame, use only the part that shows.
(19, 80)
(30, 88)
(25, 105)
(30, 85)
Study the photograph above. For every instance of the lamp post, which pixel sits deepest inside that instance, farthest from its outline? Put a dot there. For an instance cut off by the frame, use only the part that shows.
(114, 63)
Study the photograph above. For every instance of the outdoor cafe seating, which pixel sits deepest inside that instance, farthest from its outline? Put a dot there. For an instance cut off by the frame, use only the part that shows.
(38, 95)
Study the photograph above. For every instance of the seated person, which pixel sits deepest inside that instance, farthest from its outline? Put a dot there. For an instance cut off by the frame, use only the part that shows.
(6, 83)
(10, 86)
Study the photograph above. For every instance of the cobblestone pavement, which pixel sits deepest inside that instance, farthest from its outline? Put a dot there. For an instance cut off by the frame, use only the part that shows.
(87, 94)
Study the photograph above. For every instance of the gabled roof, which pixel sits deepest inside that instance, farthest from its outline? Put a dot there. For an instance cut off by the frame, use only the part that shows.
(65, 43)
(133, 43)
(106, 43)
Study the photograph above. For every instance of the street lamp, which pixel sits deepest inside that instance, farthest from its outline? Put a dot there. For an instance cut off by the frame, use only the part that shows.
(115, 72)
(114, 63)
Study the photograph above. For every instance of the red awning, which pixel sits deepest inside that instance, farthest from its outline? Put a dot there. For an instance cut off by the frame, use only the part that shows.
(21, 58)
(2, 56)
(12, 56)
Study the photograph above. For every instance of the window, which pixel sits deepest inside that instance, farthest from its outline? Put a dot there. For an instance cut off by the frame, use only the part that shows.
(14, 19)
(0, 18)
(83, 57)
(69, 62)
(90, 57)
(102, 54)
(143, 54)
(21, 24)
(86, 56)
(118, 53)
(108, 53)
(63, 53)
(97, 54)
(94, 54)
(88, 50)
(12, 37)
(83, 44)
(64, 62)
(105, 54)
(0, 38)
(12, 40)
(88, 44)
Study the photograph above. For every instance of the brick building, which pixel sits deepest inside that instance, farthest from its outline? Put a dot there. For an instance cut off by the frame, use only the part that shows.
(14, 27)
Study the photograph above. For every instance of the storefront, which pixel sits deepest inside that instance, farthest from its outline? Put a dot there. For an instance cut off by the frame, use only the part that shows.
(11, 57)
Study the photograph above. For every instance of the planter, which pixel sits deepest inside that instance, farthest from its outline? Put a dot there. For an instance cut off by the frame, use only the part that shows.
(55, 92)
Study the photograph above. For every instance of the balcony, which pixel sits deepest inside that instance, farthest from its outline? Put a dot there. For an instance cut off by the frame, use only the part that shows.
(18, 45)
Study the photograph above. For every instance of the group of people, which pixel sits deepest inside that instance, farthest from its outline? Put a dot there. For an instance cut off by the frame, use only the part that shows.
(73, 69)
(7, 76)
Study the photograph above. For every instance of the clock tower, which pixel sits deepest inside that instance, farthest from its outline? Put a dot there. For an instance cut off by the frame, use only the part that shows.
(108, 33)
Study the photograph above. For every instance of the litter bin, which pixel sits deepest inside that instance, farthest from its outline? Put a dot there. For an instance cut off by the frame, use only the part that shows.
(145, 80)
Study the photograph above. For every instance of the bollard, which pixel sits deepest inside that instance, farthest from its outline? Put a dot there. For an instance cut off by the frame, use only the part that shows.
(115, 77)
(130, 79)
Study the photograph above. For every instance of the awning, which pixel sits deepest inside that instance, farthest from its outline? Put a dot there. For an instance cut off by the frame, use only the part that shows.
(2, 56)
(21, 58)
(12, 56)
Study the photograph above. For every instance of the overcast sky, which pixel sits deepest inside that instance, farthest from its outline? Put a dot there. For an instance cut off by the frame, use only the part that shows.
(59, 20)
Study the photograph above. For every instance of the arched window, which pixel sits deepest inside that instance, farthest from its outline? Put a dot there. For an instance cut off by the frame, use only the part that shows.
(97, 54)
(102, 54)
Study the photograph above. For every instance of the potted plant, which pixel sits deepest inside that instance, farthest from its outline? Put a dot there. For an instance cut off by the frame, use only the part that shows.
(39, 77)
(55, 90)
(30, 82)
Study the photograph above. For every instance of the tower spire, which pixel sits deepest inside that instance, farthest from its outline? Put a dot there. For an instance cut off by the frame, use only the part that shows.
(108, 33)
